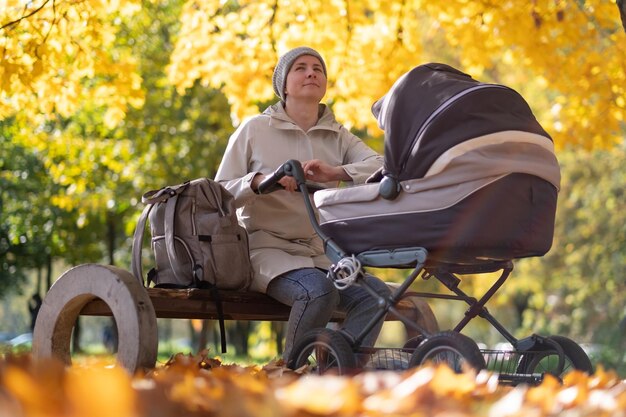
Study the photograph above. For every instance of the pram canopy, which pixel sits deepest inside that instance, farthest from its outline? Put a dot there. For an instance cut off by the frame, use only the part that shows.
(468, 174)
(434, 107)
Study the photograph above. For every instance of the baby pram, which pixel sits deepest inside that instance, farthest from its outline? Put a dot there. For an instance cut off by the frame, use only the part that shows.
(469, 183)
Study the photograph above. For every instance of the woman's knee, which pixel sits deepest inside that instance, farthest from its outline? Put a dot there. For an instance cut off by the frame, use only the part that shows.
(321, 288)
(311, 284)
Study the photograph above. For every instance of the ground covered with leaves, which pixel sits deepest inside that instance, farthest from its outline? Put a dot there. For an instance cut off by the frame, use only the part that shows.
(203, 386)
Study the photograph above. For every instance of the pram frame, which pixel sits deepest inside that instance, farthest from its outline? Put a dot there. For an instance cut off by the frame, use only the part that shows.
(417, 258)
(395, 258)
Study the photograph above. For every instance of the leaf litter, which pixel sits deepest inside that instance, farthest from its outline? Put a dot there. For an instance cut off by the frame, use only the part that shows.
(200, 385)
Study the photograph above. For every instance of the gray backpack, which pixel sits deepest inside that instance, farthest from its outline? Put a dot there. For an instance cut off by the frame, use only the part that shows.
(196, 239)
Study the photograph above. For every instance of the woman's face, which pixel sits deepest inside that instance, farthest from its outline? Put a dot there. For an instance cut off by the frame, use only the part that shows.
(306, 79)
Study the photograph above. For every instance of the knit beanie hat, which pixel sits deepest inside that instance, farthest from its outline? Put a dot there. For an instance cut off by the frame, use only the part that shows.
(284, 65)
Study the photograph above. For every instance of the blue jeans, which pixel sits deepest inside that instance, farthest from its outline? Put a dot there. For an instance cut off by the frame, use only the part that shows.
(313, 299)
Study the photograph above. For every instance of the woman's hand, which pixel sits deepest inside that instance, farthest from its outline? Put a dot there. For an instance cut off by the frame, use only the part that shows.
(314, 170)
(288, 183)
(319, 171)
(258, 179)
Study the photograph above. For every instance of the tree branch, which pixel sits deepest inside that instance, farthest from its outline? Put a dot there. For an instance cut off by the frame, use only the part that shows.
(15, 22)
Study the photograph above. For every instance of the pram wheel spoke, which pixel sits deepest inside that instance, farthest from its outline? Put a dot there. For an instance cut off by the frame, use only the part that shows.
(545, 359)
(323, 350)
(454, 349)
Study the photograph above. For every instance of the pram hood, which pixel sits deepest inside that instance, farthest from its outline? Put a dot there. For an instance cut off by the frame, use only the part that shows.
(434, 108)
(468, 174)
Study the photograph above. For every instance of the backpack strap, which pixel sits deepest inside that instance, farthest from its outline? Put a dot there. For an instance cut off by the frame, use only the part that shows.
(215, 294)
(170, 211)
(217, 201)
(159, 196)
(135, 262)
(149, 198)
(218, 302)
(216, 197)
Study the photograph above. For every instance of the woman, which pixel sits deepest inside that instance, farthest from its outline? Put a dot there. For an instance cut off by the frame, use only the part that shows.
(287, 256)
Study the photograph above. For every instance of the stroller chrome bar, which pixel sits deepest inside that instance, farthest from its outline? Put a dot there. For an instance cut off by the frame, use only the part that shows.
(388, 304)
(445, 273)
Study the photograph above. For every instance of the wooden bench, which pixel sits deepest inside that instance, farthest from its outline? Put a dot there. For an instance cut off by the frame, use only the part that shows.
(102, 290)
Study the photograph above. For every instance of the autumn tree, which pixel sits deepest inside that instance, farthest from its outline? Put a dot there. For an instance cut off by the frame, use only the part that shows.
(573, 52)
(567, 59)
(125, 129)
(66, 82)
(57, 53)
(27, 238)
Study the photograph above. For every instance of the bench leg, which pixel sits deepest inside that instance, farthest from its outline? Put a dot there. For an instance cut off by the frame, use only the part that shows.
(125, 296)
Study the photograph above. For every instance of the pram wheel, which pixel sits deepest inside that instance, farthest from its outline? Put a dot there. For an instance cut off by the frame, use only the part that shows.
(323, 350)
(456, 350)
(411, 344)
(546, 360)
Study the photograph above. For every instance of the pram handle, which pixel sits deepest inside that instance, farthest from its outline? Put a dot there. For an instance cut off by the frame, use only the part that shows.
(291, 168)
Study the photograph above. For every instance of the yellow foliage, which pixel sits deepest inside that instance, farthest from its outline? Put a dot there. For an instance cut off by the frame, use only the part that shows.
(75, 162)
(567, 58)
(57, 56)
(575, 49)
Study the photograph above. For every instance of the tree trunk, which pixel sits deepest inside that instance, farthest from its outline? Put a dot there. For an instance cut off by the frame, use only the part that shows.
(622, 12)
(76, 348)
(520, 303)
(203, 337)
(49, 273)
(238, 336)
(193, 335)
(39, 279)
(278, 330)
(111, 237)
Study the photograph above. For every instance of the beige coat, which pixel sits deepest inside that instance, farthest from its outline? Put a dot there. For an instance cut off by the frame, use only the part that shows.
(281, 235)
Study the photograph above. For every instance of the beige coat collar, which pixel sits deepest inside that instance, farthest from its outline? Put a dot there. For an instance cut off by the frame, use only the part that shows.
(279, 119)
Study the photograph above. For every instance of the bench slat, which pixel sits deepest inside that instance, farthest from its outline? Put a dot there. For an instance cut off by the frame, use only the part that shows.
(193, 303)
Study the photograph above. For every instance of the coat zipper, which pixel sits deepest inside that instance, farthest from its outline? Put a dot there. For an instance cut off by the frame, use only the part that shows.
(442, 107)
